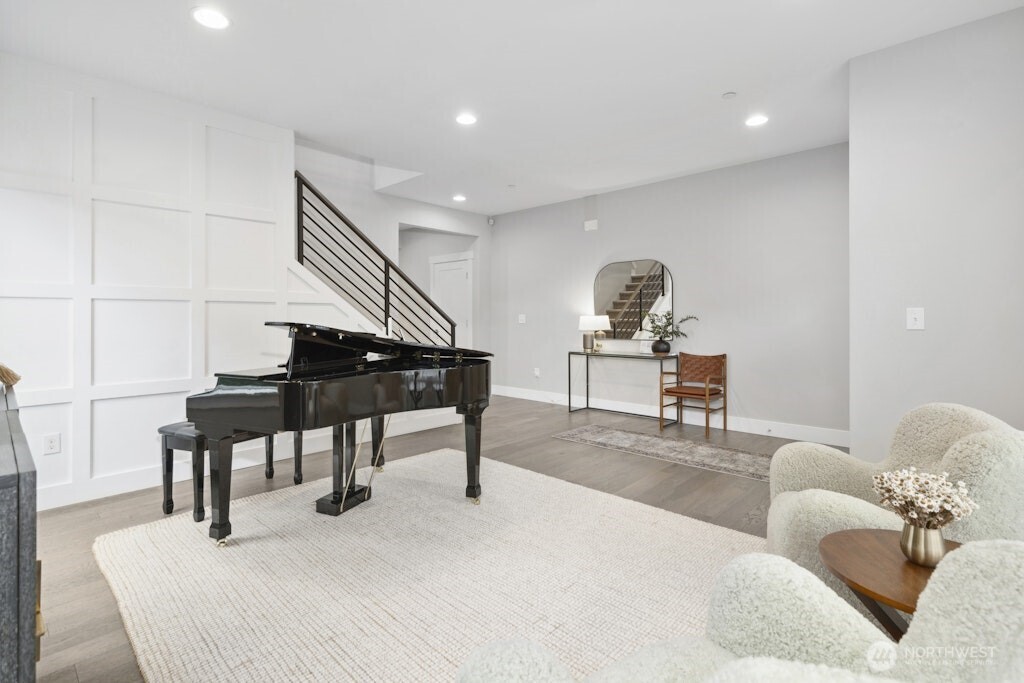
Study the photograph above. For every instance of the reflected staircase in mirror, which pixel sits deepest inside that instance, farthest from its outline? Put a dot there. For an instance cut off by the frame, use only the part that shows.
(635, 301)
(337, 252)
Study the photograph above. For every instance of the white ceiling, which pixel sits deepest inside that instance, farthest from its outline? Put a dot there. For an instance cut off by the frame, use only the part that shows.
(574, 97)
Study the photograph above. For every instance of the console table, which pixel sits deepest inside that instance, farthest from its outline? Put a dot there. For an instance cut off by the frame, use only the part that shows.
(598, 355)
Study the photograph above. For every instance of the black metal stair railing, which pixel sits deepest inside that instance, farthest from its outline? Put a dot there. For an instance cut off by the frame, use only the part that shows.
(345, 259)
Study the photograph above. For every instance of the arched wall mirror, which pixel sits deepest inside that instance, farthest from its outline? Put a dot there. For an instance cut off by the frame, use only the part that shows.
(627, 291)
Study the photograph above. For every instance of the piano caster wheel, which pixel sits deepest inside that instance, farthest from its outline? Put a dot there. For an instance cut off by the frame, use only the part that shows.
(269, 473)
(168, 506)
(222, 543)
(476, 501)
(297, 479)
(380, 469)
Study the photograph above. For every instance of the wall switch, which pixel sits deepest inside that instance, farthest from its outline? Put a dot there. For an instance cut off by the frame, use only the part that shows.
(522, 318)
(915, 318)
(51, 444)
(536, 372)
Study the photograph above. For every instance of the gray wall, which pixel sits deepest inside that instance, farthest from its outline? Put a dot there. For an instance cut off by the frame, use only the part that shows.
(937, 220)
(759, 252)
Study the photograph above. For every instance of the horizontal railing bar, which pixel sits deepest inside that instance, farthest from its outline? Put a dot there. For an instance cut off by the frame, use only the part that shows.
(395, 302)
(410, 326)
(347, 279)
(339, 257)
(429, 311)
(369, 256)
(338, 264)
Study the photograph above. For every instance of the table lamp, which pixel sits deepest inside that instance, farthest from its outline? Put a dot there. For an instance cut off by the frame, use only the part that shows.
(590, 324)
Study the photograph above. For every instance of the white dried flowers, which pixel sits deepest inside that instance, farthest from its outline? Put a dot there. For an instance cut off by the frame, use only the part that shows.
(924, 500)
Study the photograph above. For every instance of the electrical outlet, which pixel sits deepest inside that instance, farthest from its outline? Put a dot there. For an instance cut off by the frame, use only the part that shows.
(915, 318)
(536, 372)
(51, 444)
(522, 318)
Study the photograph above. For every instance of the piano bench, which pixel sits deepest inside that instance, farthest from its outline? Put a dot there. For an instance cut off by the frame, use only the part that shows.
(183, 436)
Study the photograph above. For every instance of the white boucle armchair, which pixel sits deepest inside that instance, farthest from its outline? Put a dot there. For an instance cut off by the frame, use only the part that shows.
(771, 620)
(817, 490)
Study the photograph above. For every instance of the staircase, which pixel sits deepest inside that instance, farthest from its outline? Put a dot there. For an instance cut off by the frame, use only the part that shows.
(330, 246)
(634, 302)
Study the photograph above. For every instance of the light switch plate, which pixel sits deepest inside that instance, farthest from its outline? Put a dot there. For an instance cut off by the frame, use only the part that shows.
(522, 318)
(915, 318)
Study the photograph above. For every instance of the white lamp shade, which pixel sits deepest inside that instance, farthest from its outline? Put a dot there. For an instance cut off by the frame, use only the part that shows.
(590, 323)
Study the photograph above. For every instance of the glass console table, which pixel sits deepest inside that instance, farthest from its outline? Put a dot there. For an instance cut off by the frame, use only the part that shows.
(672, 358)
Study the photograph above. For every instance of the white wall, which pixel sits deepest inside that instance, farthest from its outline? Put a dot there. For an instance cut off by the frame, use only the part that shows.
(348, 183)
(758, 252)
(936, 216)
(144, 244)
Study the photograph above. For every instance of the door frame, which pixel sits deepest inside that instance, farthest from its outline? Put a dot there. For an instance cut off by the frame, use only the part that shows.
(467, 258)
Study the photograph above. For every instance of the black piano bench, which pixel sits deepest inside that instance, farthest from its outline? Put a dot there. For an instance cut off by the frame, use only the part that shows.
(183, 436)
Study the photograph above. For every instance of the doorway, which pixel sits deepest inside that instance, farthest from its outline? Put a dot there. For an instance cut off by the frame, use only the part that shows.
(451, 288)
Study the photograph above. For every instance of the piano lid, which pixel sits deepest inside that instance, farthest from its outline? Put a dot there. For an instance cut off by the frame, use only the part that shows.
(319, 346)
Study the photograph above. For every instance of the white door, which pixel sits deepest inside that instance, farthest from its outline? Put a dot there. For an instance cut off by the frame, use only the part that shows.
(451, 288)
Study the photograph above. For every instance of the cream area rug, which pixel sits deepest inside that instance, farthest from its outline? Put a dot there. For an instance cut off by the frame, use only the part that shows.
(682, 451)
(403, 587)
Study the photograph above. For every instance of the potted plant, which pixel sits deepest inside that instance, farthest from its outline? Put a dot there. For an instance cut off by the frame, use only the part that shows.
(662, 327)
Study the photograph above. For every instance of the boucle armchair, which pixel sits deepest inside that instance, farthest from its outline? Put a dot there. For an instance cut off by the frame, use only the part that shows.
(969, 627)
(817, 490)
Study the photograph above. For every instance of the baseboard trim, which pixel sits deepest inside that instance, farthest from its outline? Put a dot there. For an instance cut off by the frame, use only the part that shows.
(783, 430)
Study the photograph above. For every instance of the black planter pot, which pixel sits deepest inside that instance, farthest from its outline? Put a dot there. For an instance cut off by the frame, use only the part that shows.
(660, 347)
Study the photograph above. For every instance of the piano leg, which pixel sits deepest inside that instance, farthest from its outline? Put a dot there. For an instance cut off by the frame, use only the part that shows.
(377, 430)
(220, 486)
(198, 462)
(341, 462)
(269, 471)
(297, 443)
(168, 475)
(474, 425)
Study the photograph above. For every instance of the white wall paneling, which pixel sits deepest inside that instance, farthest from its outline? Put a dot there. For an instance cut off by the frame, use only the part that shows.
(141, 246)
(115, 205)
(240, 254)
(139, 340)
(39, 421)
(123, 437)
(35, 338)
(140, 148)
(28, 220)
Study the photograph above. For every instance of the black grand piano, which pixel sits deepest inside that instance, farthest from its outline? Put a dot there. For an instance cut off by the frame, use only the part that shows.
(331, 380)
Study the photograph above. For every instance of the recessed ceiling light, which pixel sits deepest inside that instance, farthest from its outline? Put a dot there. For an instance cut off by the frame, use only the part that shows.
(757, 120)
(210, 18)
(466, 118)
(459, 198)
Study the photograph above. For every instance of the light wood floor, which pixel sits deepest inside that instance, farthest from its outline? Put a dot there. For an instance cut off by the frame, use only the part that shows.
(86, 640)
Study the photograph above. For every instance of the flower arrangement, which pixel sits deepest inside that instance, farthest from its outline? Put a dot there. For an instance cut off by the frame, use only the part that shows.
(923, 500)
(662, 327)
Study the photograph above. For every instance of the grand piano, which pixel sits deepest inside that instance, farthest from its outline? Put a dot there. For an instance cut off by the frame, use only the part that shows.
(332, 379)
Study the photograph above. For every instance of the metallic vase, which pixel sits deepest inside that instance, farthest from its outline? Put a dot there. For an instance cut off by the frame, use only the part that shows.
(922, 546)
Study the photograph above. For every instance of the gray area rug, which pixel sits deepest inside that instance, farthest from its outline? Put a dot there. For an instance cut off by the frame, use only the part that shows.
(405, 586)
(681, 451)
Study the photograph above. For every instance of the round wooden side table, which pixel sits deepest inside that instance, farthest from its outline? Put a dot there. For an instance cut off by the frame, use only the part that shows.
(871, 563)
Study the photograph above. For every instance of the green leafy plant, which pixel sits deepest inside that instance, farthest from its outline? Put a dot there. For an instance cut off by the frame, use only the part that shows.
(662, 327)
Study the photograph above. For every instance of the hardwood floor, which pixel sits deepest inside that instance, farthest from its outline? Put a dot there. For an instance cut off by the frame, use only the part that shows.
(86, 641)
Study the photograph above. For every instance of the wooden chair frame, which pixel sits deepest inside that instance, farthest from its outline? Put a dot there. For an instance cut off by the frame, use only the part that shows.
(709, 373)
